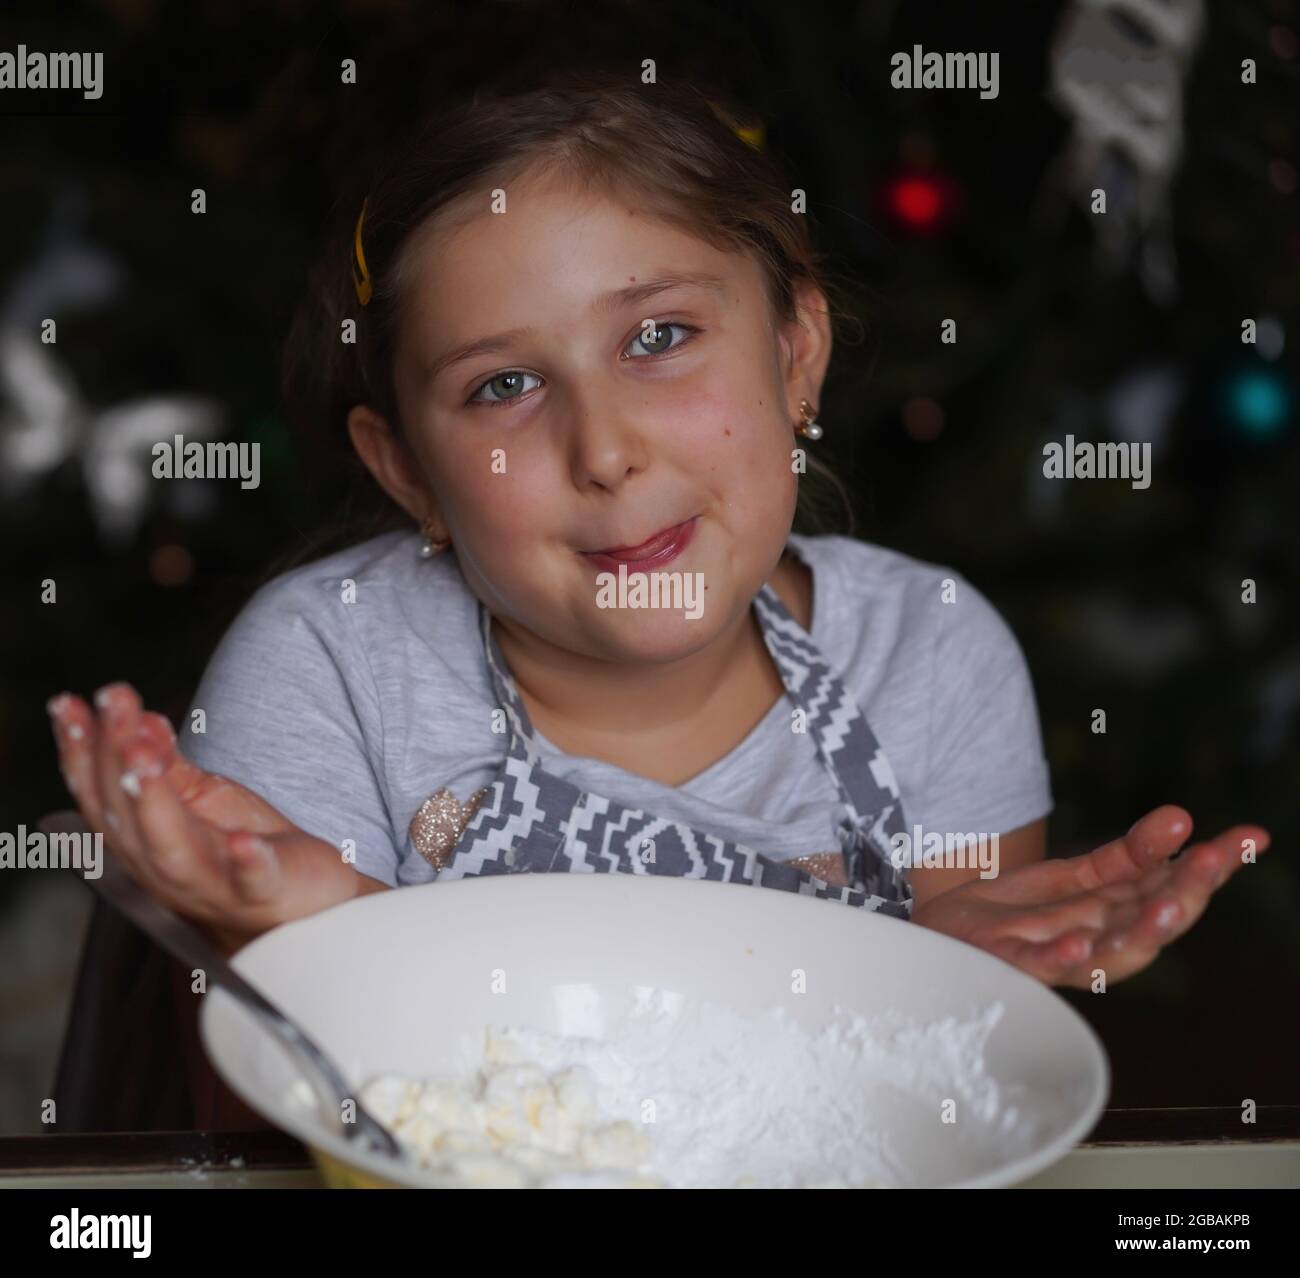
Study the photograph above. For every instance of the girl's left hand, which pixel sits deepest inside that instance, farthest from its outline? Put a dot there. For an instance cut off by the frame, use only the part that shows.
(1113, 908)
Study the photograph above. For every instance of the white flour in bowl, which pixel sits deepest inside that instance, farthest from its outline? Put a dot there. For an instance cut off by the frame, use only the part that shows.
(703, 1097)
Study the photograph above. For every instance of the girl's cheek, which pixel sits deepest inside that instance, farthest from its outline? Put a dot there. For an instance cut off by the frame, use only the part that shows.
(698, 413)
(714, 430)
(726, 410)
(743, 442)
(499, 499)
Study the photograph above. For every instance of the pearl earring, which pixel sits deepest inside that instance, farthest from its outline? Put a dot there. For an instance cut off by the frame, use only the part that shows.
(808, 426)
(429, 546)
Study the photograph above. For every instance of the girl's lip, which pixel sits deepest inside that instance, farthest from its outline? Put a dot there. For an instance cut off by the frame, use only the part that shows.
(660, 549)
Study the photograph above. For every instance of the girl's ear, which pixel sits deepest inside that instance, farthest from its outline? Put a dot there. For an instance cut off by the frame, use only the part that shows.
(390, 461)
(806, 347)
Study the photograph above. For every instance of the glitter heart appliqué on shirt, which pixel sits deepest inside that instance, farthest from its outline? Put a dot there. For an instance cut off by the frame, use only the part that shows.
(437, 825)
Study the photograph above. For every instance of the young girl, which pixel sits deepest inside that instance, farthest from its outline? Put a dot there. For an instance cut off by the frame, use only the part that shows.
(591, 339)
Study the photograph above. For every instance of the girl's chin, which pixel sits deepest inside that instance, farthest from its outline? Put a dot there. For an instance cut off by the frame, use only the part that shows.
(652, 635)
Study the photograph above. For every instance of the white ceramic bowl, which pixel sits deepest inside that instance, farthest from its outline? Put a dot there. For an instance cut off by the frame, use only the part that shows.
(391, 982)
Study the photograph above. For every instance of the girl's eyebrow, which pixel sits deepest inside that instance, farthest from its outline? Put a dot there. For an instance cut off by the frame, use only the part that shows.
(613, 300)
(660, 284)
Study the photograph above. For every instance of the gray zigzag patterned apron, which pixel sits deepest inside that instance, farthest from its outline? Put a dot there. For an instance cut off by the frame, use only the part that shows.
(533, 821)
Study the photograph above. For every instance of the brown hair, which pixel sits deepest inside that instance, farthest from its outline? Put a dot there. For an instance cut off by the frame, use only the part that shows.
(675, 146)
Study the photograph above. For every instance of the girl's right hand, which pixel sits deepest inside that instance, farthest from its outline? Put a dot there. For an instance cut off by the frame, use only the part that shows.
(204, 845)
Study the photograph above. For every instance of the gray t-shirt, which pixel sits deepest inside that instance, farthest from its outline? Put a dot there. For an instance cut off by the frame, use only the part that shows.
(345, 707)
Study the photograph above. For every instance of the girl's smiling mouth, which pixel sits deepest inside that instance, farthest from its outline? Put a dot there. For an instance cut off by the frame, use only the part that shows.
(654, 552)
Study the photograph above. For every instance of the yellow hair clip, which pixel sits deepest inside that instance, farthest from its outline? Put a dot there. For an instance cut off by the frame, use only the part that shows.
(753, 136)
(360, 272)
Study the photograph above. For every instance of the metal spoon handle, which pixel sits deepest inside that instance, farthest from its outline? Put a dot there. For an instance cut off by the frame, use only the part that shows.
(179, 938)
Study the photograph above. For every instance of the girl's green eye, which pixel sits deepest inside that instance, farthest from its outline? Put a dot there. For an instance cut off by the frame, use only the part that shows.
(505, 387)
(656, 340)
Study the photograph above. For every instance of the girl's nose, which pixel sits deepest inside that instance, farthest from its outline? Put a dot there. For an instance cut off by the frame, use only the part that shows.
(607, 446)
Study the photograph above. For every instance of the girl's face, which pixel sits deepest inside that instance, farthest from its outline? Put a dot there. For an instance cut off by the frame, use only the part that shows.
(576, 376)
